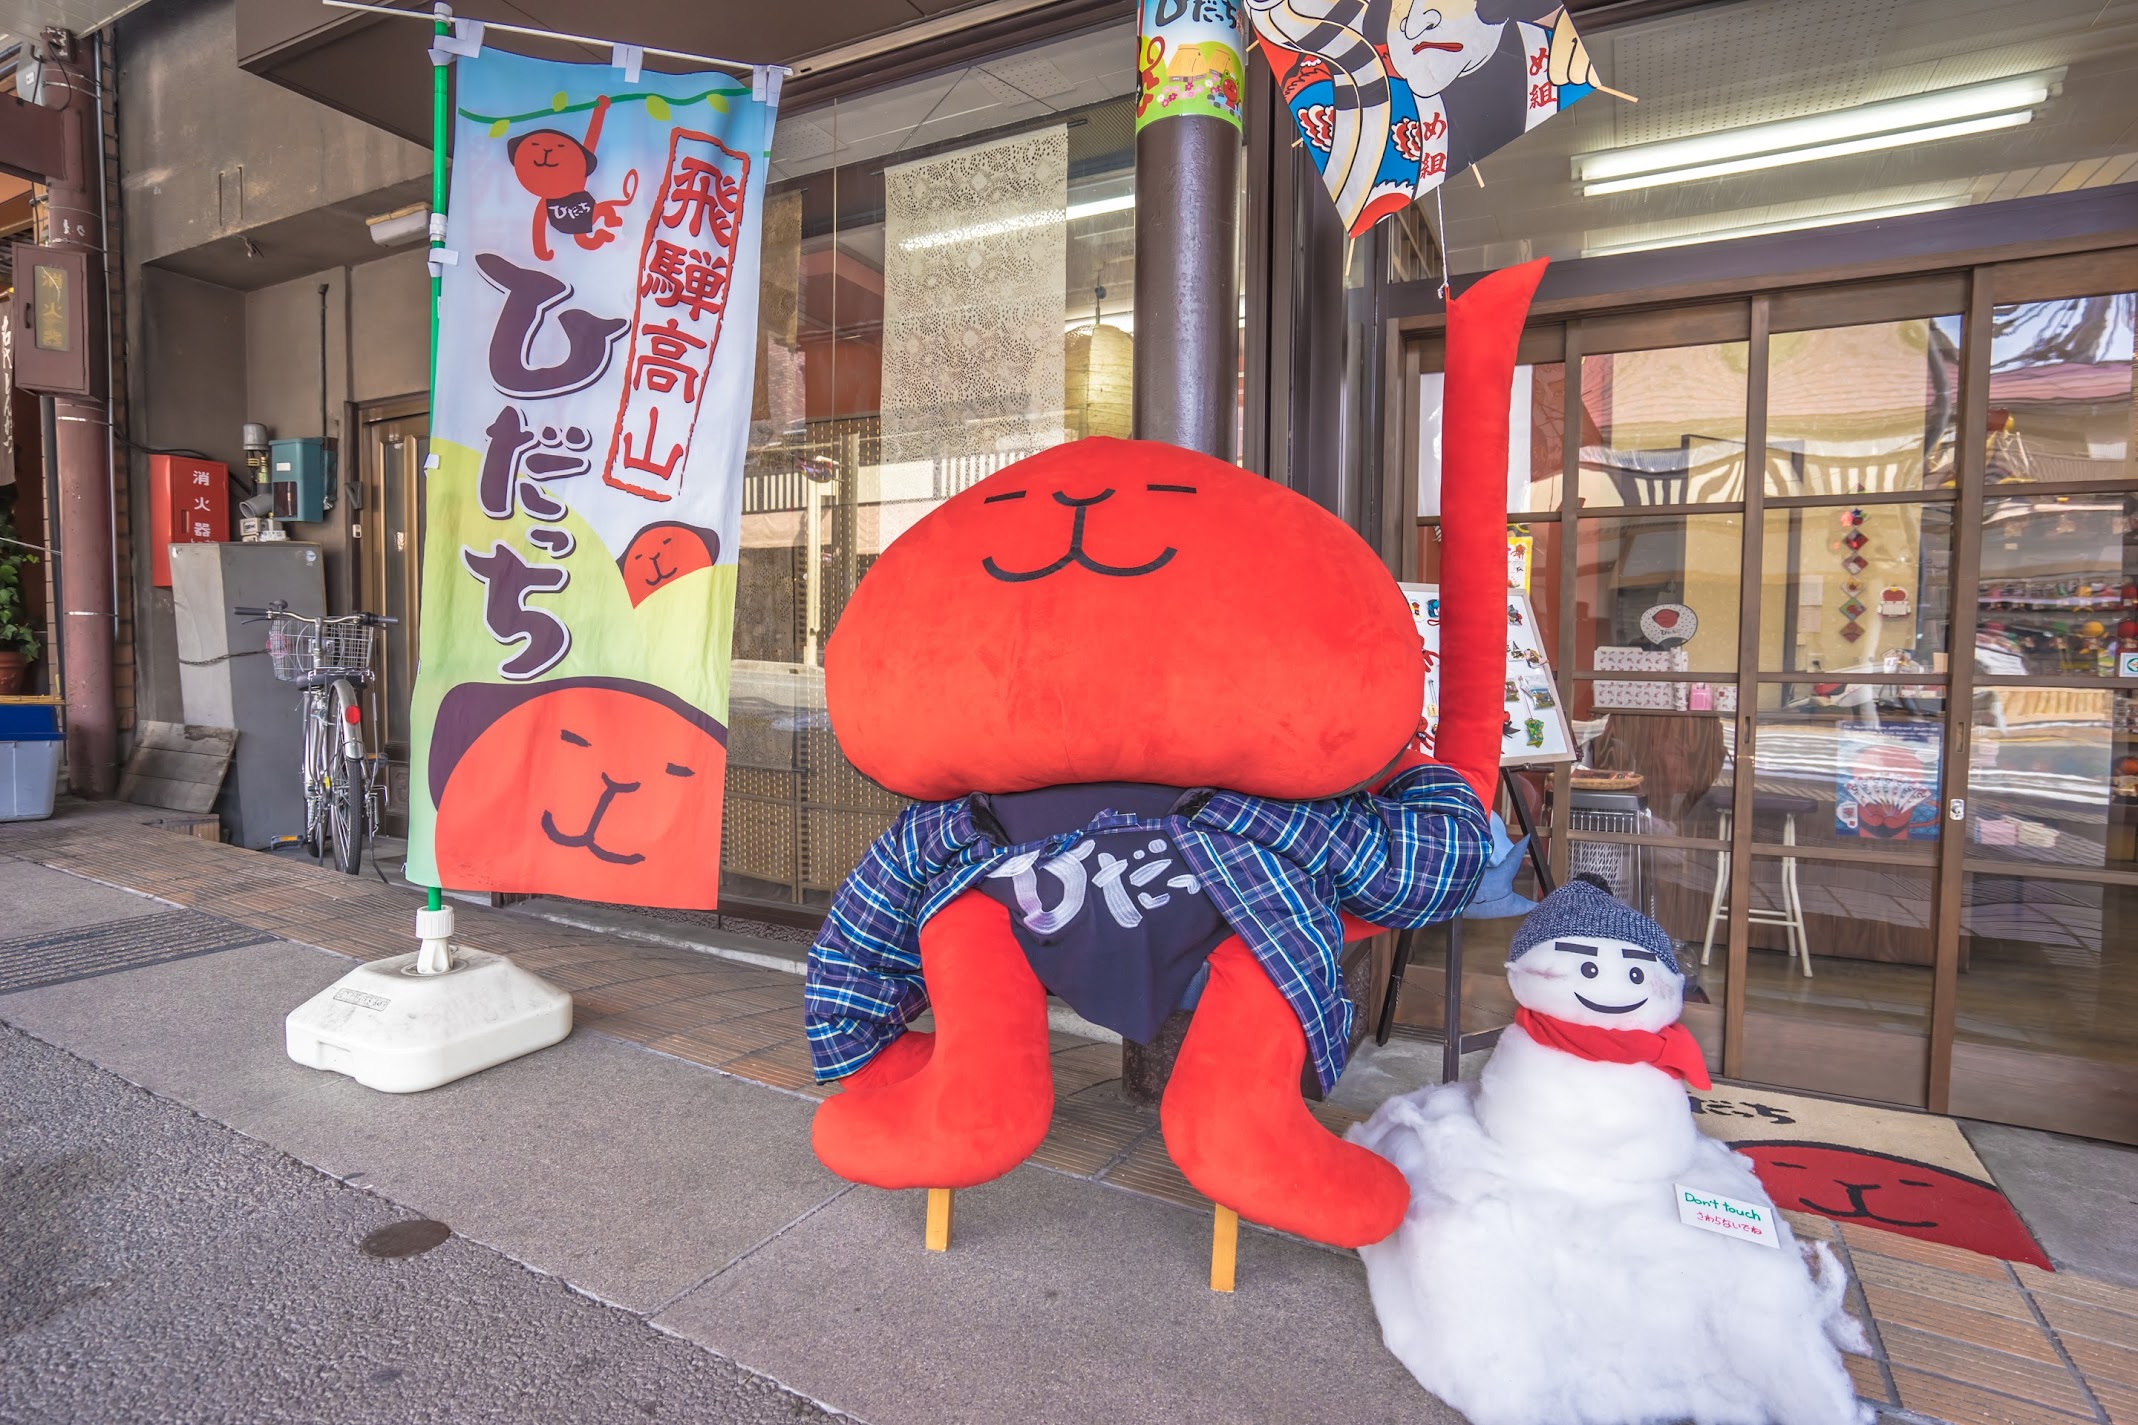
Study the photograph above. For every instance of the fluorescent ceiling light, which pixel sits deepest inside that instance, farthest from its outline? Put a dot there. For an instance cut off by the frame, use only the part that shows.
(1862, 129)
(1787, 225)
(996, 227)
(1808, 155)
(1119, 203)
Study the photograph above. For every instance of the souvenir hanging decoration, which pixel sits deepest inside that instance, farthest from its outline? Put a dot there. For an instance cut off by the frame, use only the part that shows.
(1894, 603)
(1668, 625)
(1854, 563)
(1391, 97)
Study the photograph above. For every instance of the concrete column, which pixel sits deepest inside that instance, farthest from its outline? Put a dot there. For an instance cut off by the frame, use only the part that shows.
(1187, 354)
(1187, 283)
(88, 615)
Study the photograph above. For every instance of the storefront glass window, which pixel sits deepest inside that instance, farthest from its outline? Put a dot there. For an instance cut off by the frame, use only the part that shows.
(1608, 178)
(1656, 594)
(1856, 589)
(1852, 765)
(2053, 777)
(2059, 586)
(2060, 391)
(1536, 445)
(2047, 1015)
(1664, 427)
(1838, 976)
(948, 287)
(1862, 409)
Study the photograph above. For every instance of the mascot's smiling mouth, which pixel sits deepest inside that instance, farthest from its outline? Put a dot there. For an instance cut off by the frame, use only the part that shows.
(1076, 554)
(1587, 1003)
(609, 792)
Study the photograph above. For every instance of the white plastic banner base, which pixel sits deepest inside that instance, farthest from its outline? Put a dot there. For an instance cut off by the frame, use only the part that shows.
(398, 1031)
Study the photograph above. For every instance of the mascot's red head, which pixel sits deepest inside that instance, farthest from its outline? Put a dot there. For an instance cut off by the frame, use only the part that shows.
(1115, 610)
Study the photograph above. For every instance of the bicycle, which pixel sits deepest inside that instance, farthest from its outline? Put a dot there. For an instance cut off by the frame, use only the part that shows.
(330, 658)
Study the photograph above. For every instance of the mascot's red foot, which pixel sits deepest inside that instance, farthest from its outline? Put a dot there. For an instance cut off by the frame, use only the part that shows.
(1235, 1123)
(979, 1098)
(900, 1060)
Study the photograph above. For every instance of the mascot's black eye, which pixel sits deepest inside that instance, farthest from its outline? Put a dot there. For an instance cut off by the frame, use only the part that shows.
(1588, 969)
(1635, 975)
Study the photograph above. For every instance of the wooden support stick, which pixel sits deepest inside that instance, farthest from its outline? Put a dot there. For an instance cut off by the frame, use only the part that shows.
(939, 1205)
(1614, 93)
(1224, 1247)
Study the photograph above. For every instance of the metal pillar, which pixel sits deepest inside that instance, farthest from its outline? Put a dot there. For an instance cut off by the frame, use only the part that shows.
(88, 608)
(1187, 359)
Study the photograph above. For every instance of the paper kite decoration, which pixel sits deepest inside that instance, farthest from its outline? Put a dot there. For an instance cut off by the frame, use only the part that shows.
(1392, 97)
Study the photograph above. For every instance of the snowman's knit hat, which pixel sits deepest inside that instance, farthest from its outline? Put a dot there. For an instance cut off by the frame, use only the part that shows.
(1582, 907)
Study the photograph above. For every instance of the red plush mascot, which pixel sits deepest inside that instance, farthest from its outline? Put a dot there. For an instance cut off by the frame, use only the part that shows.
(1159, 720)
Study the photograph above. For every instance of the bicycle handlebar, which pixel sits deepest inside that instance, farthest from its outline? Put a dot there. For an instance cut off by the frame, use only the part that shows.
(280, 608)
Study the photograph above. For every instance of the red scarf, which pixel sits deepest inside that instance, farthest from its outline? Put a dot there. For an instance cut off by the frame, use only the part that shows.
(1674, 1050)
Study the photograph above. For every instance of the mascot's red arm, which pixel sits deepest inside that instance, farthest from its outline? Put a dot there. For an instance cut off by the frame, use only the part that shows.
(1484, 328)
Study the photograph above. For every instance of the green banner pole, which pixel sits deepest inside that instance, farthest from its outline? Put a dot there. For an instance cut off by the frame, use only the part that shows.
(441, 138)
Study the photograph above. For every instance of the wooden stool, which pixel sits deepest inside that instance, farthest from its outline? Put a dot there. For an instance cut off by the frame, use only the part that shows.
(1224, 1235)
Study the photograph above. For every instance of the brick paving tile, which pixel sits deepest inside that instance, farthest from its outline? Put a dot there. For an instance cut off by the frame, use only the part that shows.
(1870, 1379)
(1148, 1170)
(2002, 1298)
(1082, 1064)
(2077, 1288)
(782, 1066)
(1892, 1306)
(782, 993)
(2105, 1361)
(1090, 1130)
(1812, 1226)
(2077, 1318)
(2046, 1384)
(1943, 1399)
(2120, 1401)
(1927, 1254)
(717, 1044)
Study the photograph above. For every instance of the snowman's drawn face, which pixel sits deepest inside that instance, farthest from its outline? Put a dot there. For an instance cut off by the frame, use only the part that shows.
(1593, 979)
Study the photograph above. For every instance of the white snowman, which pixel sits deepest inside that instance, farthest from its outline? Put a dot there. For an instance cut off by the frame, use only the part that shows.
(1543, 1275)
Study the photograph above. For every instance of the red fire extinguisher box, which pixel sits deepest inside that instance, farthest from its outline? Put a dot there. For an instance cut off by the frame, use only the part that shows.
(189, 503)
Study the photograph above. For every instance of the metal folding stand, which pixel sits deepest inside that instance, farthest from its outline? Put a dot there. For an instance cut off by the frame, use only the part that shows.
(1454, 1043)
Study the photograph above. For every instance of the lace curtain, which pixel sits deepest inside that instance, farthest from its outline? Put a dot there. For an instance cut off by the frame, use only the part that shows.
(975, 264)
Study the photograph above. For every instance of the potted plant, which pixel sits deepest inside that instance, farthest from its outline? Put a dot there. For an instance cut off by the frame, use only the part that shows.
(18, 638)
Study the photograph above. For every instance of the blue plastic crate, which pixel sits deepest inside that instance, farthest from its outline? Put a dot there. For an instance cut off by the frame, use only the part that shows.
(29, 722)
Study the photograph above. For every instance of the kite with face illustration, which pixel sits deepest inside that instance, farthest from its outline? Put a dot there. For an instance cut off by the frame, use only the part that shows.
(1391, 97)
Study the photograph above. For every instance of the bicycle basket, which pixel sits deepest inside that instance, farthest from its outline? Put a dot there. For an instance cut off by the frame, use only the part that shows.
(305, 651)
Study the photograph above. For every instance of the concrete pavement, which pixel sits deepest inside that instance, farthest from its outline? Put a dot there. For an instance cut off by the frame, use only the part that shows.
(658, 1161)
(157, 1266)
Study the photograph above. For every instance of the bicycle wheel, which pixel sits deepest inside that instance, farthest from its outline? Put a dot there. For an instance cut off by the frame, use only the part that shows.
(320, 751)
(345, 811)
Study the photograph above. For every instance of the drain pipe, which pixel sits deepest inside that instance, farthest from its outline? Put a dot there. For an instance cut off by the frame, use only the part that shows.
(88, 608)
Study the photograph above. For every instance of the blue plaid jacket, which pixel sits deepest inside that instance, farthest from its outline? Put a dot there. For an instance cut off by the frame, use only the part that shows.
(1406, 856)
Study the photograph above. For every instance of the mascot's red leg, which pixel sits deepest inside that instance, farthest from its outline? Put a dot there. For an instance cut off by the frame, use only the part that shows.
(1235, 1122)
(1484, 328)
(975, 1101)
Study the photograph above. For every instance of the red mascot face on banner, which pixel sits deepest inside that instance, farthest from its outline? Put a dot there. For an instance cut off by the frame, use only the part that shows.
(1893, 1194)
(1116, 610)
(664, 553)
(590, 787)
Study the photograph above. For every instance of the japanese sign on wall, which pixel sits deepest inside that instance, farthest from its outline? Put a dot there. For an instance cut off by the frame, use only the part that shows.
(1188, 60)
(596, 350)
(1533, 726)
(1393, 97)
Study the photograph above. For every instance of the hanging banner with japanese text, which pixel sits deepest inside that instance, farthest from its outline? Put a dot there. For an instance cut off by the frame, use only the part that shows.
(596, 347)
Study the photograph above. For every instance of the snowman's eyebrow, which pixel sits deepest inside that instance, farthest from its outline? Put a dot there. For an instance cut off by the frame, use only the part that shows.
(1627, 952)
(1574, 947)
